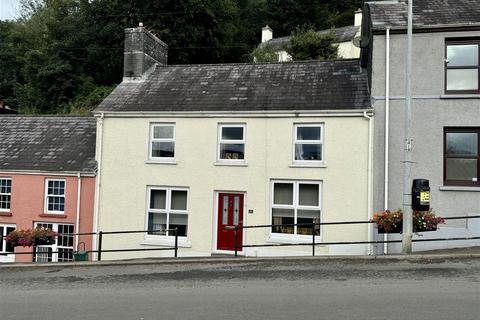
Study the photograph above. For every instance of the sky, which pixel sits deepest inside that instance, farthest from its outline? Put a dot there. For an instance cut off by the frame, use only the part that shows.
(8, 9)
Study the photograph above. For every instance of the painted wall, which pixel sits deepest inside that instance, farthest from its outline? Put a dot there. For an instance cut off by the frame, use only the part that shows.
(125, 176)
(346, 50)
(28, 205)
(431, 112)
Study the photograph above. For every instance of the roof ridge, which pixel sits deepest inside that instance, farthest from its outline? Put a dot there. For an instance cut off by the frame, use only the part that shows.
(260, 63)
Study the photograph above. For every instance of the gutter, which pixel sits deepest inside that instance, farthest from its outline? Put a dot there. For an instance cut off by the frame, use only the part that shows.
(460, 27)
(239, 114)
(47, 173)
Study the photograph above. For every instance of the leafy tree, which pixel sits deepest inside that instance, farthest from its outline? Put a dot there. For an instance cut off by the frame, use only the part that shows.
(264, 54)
(62, 56)
(308, 44)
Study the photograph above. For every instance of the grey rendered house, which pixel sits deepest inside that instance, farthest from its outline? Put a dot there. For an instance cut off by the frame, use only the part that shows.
(445, 108)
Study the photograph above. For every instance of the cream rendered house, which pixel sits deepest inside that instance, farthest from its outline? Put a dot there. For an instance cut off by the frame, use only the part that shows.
(346, 38)
(203, 147)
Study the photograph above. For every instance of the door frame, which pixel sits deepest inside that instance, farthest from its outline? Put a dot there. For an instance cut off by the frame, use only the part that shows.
(215, 221)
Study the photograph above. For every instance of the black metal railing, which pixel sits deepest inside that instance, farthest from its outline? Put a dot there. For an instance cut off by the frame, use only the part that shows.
(313, 243)
(100, 237)
(237, 229)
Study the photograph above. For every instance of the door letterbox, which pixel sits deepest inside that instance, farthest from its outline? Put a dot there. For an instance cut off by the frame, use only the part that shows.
(420, 195)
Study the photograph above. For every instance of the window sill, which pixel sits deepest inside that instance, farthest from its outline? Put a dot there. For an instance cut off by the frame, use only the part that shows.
(53, 215)
(308, 165)
(232, 164)
(459, 188)
(292, 239)
(167, 241)
(161, 162)
(460, 96)
(5, 214)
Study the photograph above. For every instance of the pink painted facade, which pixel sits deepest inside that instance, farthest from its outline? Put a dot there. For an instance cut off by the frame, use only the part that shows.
(28, 208)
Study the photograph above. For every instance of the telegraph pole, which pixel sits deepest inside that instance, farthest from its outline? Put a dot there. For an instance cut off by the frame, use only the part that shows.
(407, 163)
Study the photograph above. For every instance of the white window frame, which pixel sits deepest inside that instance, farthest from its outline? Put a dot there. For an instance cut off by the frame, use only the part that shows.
(2, 238)
(7, 194)
(152, 140)
(220, 141)
(55, 195)
(56, 245)
(295, 206)
(167, 211)
(320, 142)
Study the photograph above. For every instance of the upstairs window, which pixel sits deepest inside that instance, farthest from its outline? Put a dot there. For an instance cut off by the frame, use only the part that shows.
(462, 67)
(162, 141)
(308, 143)
(231, 142)
(55, 196)
(462, 156)
(5, 193)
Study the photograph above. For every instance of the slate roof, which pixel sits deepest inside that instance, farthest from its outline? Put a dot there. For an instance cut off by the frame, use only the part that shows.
(426, 14)
(305, 85)
(342, 34)
(47, 143)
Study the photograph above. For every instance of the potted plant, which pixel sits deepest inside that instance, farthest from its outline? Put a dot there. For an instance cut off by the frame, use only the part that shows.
(392, 221)
(388, 221)
(31, 237)
(426, 221)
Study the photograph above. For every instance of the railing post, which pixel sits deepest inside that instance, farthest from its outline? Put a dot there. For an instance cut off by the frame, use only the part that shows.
(100, 237)
(176, 242)
(313, 239)
(236, 240)
(34, 254)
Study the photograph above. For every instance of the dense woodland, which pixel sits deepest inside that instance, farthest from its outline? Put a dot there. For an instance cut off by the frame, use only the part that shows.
(64, 56)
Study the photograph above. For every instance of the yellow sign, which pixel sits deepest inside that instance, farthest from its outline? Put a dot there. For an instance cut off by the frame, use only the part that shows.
(424, 197)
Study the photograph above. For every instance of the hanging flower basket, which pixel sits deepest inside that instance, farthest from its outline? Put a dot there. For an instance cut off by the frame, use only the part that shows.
(392, 221)
(31, 237)
(393, 229)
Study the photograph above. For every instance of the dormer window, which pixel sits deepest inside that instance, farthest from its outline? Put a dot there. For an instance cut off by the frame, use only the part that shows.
(462, 67)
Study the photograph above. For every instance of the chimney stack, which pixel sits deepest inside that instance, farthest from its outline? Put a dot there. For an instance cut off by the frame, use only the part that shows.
(142, 51)
(267, 33)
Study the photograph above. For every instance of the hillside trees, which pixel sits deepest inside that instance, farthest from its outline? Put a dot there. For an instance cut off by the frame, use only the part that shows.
(64, 56)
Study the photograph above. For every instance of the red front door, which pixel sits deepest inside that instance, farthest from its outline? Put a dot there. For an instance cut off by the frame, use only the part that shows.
(230, 213)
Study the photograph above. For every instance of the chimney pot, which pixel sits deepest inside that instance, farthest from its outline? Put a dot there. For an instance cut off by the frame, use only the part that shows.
(267, 33)
(358, 18)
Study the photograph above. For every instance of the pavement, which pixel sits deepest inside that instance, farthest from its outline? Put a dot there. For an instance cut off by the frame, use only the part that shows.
(444, 254)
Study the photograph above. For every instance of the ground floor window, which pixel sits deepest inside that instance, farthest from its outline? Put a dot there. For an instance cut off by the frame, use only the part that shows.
(63, 244)
(296, 202)
(5, 247)
(167, 210)
(462, 156)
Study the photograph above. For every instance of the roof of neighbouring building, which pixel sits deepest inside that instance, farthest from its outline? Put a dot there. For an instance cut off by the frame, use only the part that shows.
(47, 143)
(305, 85)
(342, 34)
(426, 13)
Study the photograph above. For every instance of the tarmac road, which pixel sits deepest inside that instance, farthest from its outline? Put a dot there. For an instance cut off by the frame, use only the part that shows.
(247, 289)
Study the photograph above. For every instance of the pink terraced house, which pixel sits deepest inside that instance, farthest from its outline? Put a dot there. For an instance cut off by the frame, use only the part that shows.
(47, 179)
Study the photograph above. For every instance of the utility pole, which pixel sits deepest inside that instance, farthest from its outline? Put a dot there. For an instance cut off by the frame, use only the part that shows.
(407, 163)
